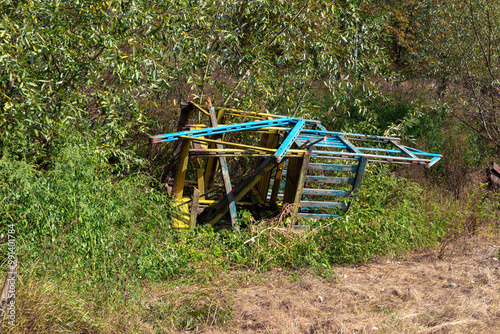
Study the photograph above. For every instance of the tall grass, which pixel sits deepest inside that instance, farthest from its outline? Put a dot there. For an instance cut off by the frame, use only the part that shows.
(99, 237)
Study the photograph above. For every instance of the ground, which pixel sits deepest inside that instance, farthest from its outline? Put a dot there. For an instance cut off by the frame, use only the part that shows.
(455, 291)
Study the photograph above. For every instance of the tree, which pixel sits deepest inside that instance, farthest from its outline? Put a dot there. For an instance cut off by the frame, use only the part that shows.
(458, 47)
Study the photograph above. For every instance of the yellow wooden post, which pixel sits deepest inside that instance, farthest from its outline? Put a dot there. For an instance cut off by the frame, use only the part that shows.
(180, 219)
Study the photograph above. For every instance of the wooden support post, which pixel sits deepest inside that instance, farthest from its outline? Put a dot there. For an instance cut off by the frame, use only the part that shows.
(225, 173)
(194, 208)
(295, 179)
(277, 183)
(178, 186)
(359, 178)
(198, 164)
(171, 168)
(403, 149)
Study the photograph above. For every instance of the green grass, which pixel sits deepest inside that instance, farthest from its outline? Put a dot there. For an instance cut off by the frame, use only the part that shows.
(89, 240)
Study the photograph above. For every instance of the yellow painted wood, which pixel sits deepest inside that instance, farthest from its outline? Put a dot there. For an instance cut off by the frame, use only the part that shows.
(242, 188)
(198, 164)
(256, 193)
(211, 201)
(201, 180)
(178, 186)
(227, 143)
(240, 152)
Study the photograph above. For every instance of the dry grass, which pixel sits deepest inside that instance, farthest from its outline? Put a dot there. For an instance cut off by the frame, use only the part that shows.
(421, 294)
(424, 293)
(50, 307)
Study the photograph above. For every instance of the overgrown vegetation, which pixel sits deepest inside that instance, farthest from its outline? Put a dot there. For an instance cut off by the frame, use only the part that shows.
(83, 83)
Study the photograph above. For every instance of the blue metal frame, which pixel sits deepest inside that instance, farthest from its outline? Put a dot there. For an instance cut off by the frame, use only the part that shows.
(226, 129)
(289, 140)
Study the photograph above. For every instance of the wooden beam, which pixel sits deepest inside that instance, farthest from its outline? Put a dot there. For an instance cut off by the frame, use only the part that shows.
(277, 183)
(203, 153)
(194, 208)
(171, 168)
(213, 162)
(403, 149)
(349, 145)
(227, 143)
(289, 140)
(178, 185)
(359, 178)
(225, 173)
(295, 179)
(217, 211)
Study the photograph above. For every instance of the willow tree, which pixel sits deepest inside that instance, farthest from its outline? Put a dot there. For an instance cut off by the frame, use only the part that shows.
(102, 67)
(458, 46)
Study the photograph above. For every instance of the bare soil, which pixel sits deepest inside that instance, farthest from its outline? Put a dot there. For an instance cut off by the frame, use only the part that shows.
(423, 293)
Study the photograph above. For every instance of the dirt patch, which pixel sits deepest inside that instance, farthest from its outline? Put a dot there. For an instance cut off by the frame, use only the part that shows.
(459, 293)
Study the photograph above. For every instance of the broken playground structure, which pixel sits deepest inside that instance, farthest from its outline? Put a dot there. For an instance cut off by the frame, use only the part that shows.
(292, 161)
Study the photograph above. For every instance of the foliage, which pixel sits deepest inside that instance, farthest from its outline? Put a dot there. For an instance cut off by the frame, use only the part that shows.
(102, 67)
(456, 46)
(82, 84)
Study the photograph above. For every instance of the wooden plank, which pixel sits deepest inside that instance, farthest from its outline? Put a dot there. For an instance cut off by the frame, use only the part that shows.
(289, 140)
(268, 141)
(178, 185)
(349, 145)
(201, 180)
(194, 208)
(496, 169)
(317, 215)
(172, 166)
(352, 136)
(256, 193)
(180, 176)
(295, 178)
(223, 129)
(403, 149)
(326, 192)
(225, 173)
(322, 205)
(277, 183)
(213, 162)
(198, 164)
(226, 143)
(212, 201)
(333, 167)
(235, 152)
(432, 162)
(329, 179)
(376, 157)
(218, 210)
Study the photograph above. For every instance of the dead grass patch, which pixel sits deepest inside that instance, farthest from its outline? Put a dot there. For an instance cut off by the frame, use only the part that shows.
(459, 293)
